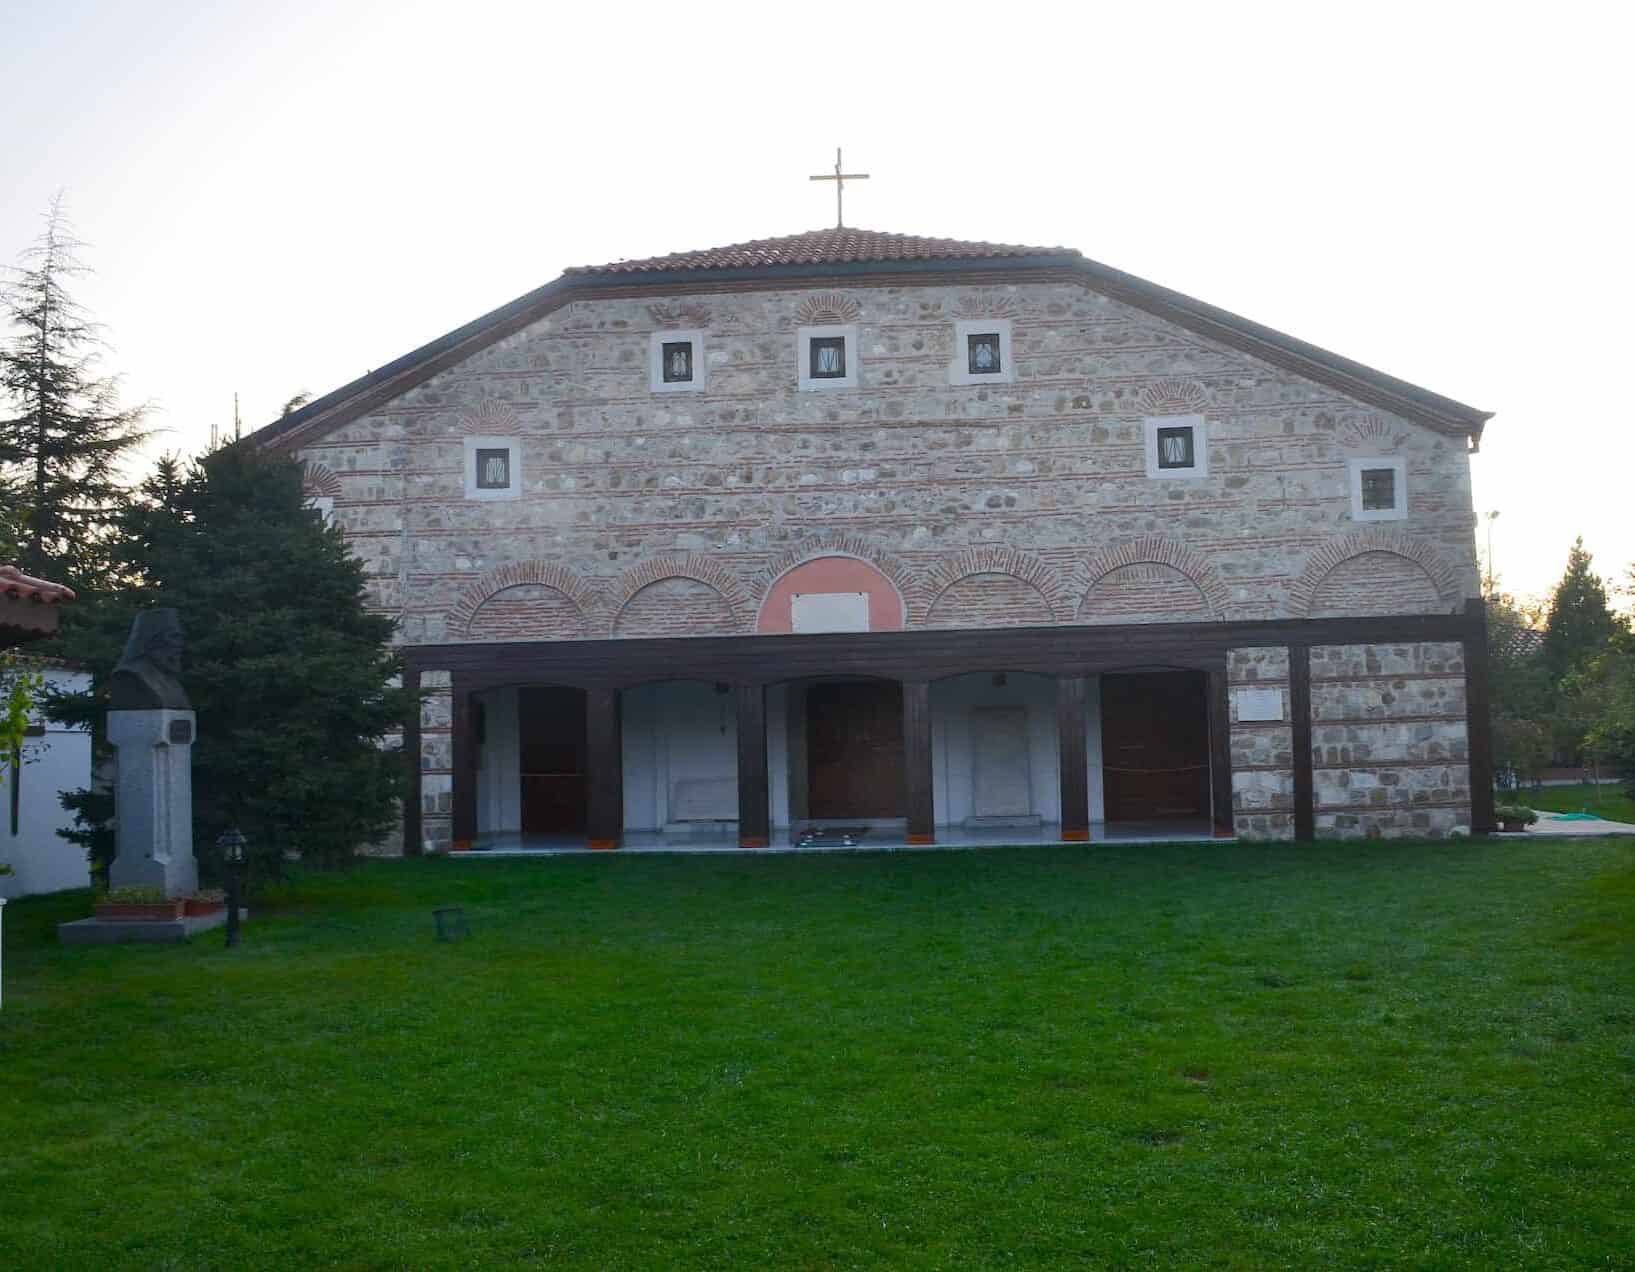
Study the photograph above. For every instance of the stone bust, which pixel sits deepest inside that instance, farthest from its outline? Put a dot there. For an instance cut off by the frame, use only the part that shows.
(146, 677)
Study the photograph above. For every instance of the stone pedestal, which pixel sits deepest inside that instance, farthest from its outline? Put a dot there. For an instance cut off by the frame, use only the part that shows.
(153, 808)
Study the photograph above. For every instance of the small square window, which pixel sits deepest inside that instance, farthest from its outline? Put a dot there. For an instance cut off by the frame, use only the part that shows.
(828, 354)
(678, 361)
(1379, 489)
(493, 468)
(826, 358)
(983, 353)
(1175, 447)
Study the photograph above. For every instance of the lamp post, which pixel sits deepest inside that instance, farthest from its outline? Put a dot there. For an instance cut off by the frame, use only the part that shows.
(1491, 518)
(231, 844)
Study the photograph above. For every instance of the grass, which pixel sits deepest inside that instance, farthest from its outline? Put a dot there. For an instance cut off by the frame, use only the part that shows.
(1210, 1055)
(1610, 800)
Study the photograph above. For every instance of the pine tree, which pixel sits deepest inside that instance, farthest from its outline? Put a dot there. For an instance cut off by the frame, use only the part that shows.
(288, 670)
(1581, 622)
(62, 430)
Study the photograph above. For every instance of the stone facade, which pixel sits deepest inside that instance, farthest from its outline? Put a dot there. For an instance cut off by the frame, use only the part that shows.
(1389, 745)
(907, 467)
(984, 506)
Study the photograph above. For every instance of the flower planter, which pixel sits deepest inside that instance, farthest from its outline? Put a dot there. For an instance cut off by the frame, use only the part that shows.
(145, 912)
(1512, 827)
(193, 906)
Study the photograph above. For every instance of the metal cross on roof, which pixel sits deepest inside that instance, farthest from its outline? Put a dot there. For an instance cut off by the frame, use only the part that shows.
(840, 179)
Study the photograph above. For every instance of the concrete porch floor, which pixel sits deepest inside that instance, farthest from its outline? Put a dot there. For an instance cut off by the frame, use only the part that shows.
(514, 844)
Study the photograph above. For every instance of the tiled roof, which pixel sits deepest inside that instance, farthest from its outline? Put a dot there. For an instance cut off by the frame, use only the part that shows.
(834, 246)
(22, 587)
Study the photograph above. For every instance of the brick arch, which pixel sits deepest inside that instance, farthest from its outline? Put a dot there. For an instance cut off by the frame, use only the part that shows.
(1331, 555)
(691, 567)
(909, 586)
(945, 580)
(489, 416)
(1173, 397)
(319, 480)
(524, 574)
(1154, 550)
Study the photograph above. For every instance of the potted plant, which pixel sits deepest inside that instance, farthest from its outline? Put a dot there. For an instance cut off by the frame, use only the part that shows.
(1514, 817)
(204, 901)
(141, 904)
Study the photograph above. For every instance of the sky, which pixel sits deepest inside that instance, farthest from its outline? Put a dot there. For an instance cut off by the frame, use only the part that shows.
(278, 198)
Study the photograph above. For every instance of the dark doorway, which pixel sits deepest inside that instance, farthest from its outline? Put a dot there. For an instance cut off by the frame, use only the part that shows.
(854, 750)
(551, 729)
(1155, 746)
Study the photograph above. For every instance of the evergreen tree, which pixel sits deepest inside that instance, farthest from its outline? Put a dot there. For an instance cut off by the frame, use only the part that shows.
(62, 431)
(289, 672)
(1581, 622)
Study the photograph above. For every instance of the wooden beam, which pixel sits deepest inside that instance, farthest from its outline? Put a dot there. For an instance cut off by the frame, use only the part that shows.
(1072, 727)
(604, 768)
(1220, 754)
(918, 654)
(1305, 818)
(1479, 720)
(413, 845)
(754, 813)
(464, 739)
(922, 814)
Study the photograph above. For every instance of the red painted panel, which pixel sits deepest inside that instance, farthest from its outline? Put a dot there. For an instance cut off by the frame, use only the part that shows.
(833, 574)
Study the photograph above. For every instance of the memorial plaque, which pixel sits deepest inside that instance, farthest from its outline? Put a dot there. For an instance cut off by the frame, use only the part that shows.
(1258, 704)
(181, 732)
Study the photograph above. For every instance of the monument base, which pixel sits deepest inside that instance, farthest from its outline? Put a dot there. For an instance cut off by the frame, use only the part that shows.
(144, 931)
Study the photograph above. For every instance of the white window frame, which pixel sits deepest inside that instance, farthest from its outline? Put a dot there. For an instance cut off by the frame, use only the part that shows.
(1399, 509)
(1200, 446)
(803, 348)
(655, 362)
(475, 444)
(959, 370)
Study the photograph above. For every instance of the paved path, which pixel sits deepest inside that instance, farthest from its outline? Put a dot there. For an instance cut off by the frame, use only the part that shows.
(1558, 826)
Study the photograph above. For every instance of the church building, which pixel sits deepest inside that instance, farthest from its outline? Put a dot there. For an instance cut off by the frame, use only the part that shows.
(860, 537)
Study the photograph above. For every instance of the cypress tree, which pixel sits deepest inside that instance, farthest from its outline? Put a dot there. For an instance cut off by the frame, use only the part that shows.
(62, 430)
(1581, 622)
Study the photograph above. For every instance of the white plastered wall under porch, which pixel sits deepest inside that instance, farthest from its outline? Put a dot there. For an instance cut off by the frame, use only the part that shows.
(680, 755)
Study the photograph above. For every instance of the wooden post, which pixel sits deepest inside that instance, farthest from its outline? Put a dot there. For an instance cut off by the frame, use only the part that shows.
(1072, 726)
(1479, 720)
(922, 814)
(464, 738)
(1220, 755)
(604, 767)
(754, 819)
(1305, 815)
(413, 845)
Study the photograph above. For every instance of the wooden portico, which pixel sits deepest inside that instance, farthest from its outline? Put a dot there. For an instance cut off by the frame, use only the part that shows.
(748, 665)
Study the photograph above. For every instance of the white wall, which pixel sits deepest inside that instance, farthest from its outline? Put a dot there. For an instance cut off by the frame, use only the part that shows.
(952, 755)
(681, 731)
(59, 761)
(499, 781)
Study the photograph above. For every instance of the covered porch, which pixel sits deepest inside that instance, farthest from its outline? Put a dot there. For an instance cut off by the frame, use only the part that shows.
(832, 742)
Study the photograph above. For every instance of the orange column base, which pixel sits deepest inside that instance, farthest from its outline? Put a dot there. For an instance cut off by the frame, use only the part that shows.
(919, 839)
(460, 845)
(753, 841)
(1076, 836)
(604, 845)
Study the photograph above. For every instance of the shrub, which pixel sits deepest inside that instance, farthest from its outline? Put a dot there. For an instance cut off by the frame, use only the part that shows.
(133, 896)
(1515, 813)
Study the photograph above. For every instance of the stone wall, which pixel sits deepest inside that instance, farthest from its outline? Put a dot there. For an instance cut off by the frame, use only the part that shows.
(1388, 737)
(1262, 749)
(621, 485)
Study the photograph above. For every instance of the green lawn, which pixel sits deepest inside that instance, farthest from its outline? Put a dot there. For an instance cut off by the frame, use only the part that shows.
(1610, 800)
(1228, 1055)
